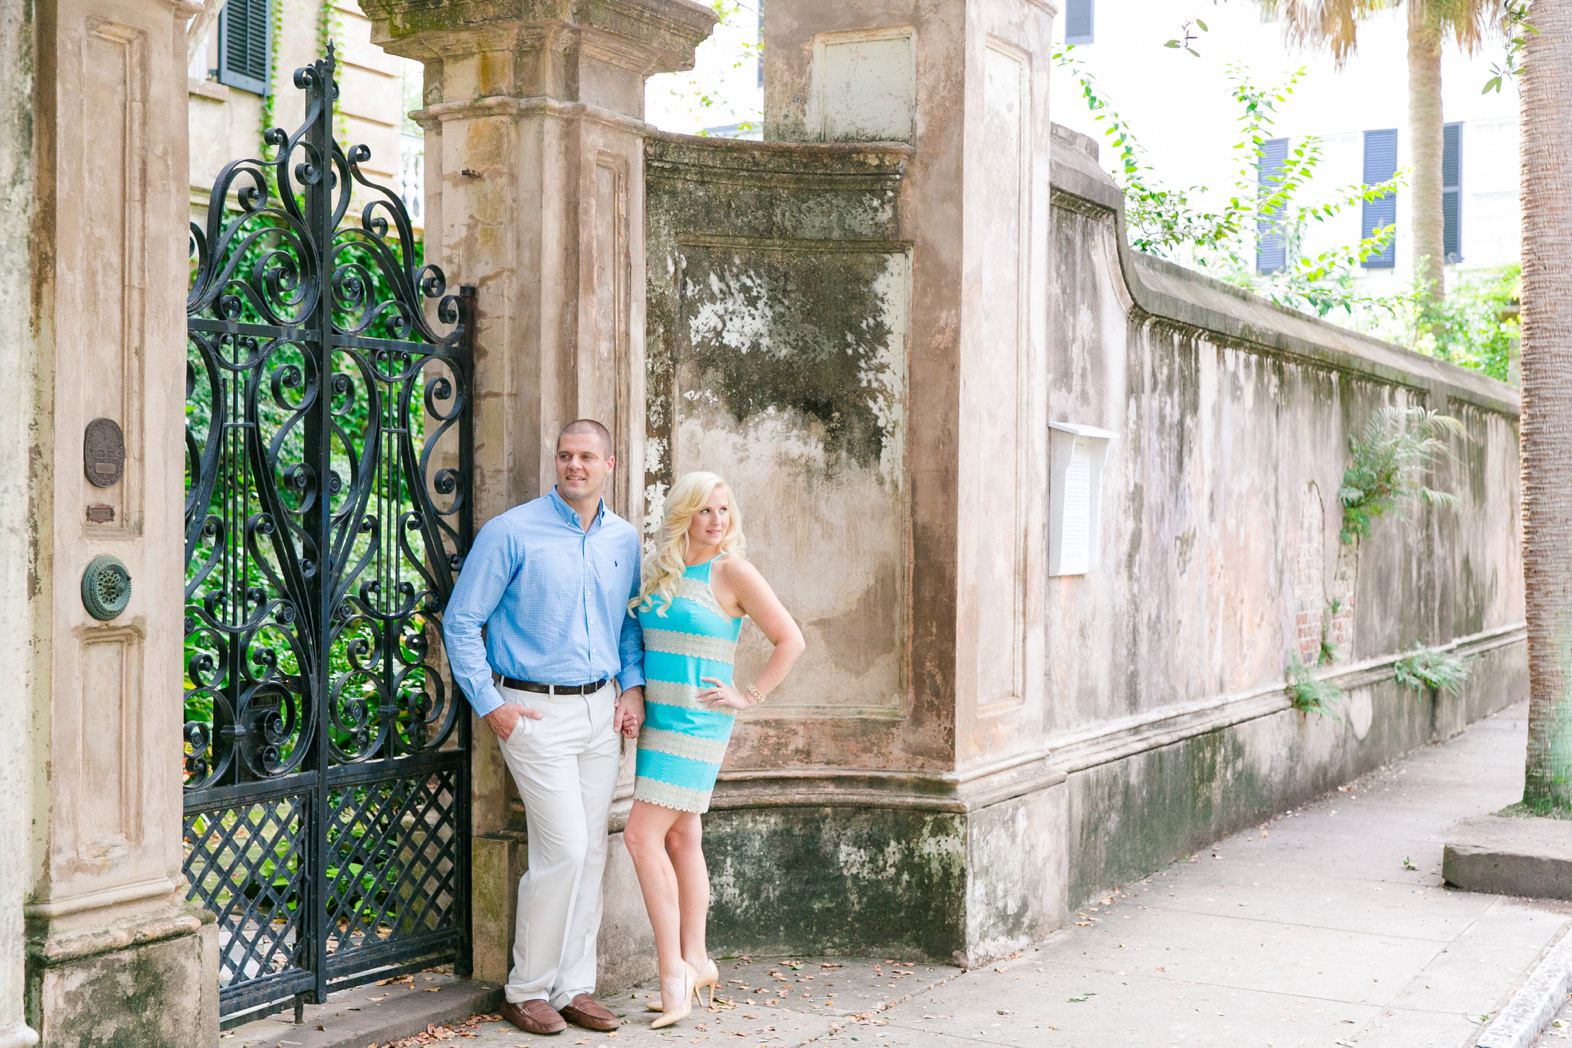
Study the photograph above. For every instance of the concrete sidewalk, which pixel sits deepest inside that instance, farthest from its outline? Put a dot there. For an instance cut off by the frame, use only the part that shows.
(1326, 926)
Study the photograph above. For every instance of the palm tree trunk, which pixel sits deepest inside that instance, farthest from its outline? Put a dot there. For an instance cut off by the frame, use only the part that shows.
(1425, 146)
(1546, 129)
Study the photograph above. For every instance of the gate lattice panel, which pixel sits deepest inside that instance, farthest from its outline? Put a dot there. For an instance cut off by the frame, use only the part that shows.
(327, 513)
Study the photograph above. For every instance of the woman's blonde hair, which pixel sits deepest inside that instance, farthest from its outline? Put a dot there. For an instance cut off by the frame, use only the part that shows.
(666, 565)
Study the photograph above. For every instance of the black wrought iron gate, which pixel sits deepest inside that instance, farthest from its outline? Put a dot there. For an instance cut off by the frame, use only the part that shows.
(327, 512)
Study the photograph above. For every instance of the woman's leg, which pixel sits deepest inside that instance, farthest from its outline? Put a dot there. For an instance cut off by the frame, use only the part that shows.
(644, 837)
(685, 849)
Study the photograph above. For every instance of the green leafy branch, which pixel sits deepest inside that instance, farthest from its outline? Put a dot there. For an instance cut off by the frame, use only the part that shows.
(1172, 224)
(1186, 40)
(1517, 28)
(691, 89)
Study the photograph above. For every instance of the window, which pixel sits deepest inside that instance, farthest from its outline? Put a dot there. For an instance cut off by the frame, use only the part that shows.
(1271, 247)
(244, 39)
(1077, 21)
(1452, 192)
(1380, 165)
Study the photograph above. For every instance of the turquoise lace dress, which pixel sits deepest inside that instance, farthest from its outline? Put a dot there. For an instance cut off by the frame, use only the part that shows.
(682, 743)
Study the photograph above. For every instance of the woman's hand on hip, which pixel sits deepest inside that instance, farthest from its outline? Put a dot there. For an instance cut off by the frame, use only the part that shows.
(722, 694)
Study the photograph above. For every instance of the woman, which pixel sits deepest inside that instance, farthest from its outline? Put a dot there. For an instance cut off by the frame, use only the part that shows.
(697, 588)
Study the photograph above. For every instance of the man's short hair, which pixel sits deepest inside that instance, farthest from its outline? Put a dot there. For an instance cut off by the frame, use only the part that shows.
(588, 425)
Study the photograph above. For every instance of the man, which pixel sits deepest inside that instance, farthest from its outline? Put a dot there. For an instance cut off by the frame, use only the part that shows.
(551, 580)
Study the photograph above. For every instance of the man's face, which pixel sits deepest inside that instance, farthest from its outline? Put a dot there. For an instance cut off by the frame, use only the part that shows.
(582, 466)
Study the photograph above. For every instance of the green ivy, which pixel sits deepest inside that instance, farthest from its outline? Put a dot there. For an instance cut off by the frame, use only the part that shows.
(330, 26)
(275, 16)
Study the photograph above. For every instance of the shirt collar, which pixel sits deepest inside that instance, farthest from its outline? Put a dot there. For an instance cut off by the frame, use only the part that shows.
(570, 515)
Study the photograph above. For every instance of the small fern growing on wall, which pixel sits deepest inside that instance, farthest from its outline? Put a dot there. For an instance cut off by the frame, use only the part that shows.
(1308, 693)
(1397, 445)
(1424, 668)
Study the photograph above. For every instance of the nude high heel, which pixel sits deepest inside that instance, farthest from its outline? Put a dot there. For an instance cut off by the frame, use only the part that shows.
(689, 994)
(710, 977)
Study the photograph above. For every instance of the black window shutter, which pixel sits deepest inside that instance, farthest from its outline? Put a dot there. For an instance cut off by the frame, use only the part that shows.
(1271, 248)
(244, 45)
(1077, 21)
(1452, 192)
(1380, 165)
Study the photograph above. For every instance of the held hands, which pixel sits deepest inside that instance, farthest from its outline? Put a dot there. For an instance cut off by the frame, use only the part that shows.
(628, 715)
(720, 694)
(505, 718)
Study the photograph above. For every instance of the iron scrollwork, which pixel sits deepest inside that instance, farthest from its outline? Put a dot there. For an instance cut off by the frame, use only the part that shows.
(327, 506)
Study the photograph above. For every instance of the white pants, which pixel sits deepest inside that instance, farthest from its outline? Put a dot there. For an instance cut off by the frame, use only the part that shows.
(565, 765)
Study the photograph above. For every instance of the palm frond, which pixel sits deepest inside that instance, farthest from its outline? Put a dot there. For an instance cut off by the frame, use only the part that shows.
(1333, 25)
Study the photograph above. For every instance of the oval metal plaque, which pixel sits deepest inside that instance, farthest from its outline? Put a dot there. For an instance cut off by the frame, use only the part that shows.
(106, 587)
(103, 452)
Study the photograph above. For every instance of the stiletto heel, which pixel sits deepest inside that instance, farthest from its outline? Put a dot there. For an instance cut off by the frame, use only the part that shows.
(689, 993)
(709, 977)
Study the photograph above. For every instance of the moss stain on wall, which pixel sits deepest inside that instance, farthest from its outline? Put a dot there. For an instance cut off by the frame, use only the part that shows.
(816, 334)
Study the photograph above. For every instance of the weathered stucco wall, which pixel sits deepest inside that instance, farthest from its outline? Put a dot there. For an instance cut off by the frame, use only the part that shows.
(779, 352)
(1221, 552)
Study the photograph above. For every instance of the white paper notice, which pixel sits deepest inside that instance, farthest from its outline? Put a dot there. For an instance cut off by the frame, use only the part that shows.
(1076, 524)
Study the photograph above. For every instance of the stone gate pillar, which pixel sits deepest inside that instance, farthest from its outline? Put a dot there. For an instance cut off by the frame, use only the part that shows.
(965, 84)
(535, 193)
(113, 953)
(17, 176)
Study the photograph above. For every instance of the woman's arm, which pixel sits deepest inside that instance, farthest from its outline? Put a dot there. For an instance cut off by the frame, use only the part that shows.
(758, 601)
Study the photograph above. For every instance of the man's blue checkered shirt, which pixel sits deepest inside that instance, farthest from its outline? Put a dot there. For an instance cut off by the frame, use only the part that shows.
(553, 598)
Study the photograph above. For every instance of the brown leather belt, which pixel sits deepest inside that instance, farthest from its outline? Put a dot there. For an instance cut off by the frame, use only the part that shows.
(554, 689)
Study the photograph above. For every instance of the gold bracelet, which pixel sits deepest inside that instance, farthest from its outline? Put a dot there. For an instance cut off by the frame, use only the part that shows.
(753, 691)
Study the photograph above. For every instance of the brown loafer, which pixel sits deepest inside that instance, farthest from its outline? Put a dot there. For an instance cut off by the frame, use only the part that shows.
(533, 1016)
(589, 1013)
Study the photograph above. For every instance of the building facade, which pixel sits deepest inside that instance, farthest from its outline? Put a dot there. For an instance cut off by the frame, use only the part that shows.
(242, 56)
(1178, 106)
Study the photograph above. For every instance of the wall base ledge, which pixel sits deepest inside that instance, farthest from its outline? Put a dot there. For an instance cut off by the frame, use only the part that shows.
(48, 950)
(1115, 740)
(956, 792)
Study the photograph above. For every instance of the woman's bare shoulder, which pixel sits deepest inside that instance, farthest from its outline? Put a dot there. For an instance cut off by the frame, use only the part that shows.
(736, 571)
